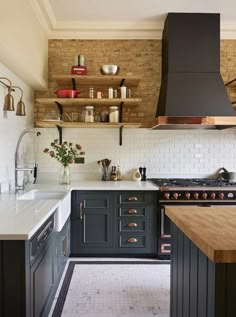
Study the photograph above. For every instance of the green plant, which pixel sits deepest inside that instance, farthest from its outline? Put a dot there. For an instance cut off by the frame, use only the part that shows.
(65, 153)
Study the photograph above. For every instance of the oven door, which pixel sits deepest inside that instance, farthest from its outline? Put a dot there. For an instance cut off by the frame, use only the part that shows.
(164, 224)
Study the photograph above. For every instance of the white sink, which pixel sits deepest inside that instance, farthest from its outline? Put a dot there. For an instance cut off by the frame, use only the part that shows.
(63, 210)
(42, 195)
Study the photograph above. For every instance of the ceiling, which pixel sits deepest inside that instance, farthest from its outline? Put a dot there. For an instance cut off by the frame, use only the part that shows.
(123, 19)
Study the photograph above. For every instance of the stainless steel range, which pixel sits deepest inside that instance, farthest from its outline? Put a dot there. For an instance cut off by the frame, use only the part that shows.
(199, 191)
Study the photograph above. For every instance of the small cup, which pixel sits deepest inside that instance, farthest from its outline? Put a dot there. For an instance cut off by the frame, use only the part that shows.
(99, 95)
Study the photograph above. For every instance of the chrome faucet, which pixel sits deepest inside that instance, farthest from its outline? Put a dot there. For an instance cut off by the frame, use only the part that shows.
(33, 169)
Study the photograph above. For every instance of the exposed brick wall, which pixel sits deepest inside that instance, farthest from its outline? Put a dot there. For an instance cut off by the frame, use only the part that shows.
(135, 58)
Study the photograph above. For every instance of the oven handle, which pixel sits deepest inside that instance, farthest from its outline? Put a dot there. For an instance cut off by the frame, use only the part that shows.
(163, 235)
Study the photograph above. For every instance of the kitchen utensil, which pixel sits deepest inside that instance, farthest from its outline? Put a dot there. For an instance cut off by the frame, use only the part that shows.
(67, 93)
(68, 116)
(226, 174)
(104, 164)
(109, 69)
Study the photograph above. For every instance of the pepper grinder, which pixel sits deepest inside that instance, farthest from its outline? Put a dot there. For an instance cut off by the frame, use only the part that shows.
(142, 171)
(144, 178)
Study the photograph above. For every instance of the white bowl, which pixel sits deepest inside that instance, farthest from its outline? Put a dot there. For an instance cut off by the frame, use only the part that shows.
(109, 69)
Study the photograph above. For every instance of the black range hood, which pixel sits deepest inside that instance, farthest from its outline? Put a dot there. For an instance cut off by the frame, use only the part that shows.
(192, 93)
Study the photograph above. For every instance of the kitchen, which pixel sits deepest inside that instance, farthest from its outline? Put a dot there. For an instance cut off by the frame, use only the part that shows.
(165, 153)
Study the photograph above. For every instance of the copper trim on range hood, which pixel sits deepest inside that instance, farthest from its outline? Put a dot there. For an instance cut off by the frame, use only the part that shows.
(164, 122)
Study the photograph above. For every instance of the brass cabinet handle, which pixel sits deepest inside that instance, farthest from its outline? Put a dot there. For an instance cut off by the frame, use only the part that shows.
(132, 240)
(81, 211)
(132, 198)
(132, 211)
(133, 225)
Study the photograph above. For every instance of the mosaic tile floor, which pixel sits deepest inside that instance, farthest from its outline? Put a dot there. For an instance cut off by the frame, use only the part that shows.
(115, 290)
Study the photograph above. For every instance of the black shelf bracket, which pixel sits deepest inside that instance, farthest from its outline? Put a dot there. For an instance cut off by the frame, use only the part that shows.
(121, 111)
(73, 83)
(121, 134)
(59, 128)
(122, 82)
(59, 106)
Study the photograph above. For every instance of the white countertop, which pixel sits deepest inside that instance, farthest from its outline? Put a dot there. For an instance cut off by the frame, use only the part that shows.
(99, 185)
(20, 219)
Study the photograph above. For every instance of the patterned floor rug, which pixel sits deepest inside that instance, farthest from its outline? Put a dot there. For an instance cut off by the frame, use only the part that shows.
(106, 289)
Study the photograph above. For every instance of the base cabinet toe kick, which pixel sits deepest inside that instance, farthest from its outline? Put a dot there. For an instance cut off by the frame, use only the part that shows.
(113, 223)
(30, 271)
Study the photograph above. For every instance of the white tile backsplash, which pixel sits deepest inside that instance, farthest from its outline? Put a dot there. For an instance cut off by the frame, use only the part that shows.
(174, 153)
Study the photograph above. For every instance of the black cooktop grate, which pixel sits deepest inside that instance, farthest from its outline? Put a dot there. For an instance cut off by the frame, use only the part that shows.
(191, 182)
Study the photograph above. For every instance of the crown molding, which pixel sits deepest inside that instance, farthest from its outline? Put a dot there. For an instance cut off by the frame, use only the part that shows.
(113, 30)
(110, 30)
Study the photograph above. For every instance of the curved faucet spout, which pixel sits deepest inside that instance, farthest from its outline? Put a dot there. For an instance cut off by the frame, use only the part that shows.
(34, 168)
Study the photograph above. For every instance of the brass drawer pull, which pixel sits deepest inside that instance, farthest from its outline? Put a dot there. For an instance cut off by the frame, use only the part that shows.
(132, 198)
(132, 240)
(132, 211)
(133, 225)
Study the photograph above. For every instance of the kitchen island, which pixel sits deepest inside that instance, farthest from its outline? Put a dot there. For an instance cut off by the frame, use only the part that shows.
(203, 264)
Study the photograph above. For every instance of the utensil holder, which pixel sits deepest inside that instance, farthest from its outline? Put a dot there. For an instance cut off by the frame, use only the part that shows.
(105, 174)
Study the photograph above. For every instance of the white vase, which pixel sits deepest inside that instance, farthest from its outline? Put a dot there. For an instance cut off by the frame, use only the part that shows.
(64, 177)
(137, 176)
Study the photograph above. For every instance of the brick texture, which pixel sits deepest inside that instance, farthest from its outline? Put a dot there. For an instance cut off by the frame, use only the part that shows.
(135, 58)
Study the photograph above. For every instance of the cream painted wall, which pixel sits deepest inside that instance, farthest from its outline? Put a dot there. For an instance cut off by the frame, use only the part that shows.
(23, 43)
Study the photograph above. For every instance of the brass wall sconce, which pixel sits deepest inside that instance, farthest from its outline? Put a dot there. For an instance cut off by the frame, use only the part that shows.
(9, 100)
(20, 108)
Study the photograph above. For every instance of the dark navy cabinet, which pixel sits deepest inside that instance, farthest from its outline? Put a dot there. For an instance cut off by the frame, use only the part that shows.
(30, 272)
(92, 221)
(113, 223)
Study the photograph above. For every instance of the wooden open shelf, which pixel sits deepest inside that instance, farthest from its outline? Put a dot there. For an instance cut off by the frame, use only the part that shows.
(89, 101)
(53, 124)
(98, 80)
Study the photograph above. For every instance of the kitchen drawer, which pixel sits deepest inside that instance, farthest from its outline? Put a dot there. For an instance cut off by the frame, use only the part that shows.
(131, 225)
(131, 241)
(133, 198)
(132, 211)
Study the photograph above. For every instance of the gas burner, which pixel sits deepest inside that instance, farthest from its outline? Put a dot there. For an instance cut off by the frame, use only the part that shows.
(191, 182)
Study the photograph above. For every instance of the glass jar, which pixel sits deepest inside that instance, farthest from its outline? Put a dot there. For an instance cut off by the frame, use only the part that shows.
(104, 115)
(97, 117)
(89, 114)
(113, 114)
(91, 92)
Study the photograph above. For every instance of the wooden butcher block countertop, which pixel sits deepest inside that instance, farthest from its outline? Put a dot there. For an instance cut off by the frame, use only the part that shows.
(212, 229)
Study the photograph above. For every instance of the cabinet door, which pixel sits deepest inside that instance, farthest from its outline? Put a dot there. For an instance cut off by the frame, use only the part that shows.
(93, 220)
(41, 280)
(62, 249)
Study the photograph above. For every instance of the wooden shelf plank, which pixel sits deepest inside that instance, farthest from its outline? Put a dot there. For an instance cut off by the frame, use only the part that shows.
(53, 124)
(89, 101)
(98, 80)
